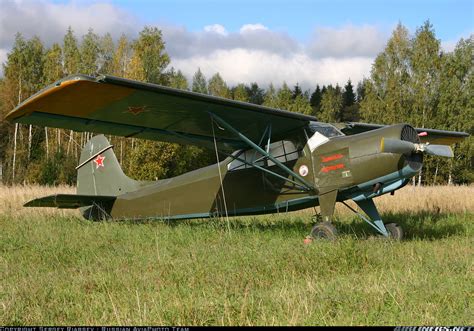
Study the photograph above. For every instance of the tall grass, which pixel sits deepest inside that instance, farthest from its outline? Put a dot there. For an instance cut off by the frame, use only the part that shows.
(56, 268)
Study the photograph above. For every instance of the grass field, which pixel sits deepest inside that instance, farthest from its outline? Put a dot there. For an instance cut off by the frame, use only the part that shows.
(56, 268)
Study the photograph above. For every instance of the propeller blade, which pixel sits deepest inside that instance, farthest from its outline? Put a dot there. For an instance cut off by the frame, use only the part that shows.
(396, 146)
(439, 150)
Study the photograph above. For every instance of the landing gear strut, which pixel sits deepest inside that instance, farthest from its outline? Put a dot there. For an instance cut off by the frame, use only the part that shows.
(324, 229)
(390, 230)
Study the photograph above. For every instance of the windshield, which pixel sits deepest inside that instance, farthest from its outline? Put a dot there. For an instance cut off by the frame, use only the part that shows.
(325, 129)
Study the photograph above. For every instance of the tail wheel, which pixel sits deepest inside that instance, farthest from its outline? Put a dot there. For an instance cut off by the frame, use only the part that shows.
(395, 231)
(324, 230)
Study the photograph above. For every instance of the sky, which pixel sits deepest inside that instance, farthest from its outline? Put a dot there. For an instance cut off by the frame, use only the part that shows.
(296, 41)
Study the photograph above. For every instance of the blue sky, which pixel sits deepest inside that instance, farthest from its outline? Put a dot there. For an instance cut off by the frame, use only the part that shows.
(266, 41)
(451, 19)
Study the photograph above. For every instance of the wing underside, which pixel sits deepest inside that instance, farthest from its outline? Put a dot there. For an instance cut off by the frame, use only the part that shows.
(128, 108)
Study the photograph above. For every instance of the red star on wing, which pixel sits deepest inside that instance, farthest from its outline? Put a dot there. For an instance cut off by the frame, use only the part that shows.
(99, 161)
(135, 110)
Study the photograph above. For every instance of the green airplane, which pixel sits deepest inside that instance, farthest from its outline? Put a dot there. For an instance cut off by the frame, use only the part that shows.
(268, 160)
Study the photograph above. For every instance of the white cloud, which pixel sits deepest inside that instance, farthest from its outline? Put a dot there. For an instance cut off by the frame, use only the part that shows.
(252, 27)
(182, 43)
(242, 65)
(50, 20)
(348, 41)
(3, 58)
(252, 53)
(216, 28)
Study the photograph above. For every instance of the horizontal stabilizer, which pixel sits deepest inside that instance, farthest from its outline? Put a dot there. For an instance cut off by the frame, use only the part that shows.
(69, 201)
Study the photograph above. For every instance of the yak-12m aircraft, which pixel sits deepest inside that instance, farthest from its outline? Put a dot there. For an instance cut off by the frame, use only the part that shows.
(276, 161)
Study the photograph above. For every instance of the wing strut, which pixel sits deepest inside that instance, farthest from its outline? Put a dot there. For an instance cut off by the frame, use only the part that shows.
(249, 142)
(220, 175)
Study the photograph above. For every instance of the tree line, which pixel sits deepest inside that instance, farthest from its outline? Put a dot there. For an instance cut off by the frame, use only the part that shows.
(412, 80)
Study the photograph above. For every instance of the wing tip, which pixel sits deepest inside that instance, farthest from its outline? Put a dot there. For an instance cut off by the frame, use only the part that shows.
(22, 109)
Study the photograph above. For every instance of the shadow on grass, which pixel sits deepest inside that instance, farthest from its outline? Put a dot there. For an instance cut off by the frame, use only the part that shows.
(420, 225)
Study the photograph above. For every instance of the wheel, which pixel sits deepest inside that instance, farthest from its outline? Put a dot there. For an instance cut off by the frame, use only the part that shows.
(324, 230)
(395, 231)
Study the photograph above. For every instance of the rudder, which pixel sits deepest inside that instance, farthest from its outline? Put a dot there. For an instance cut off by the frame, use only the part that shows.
(99, 172)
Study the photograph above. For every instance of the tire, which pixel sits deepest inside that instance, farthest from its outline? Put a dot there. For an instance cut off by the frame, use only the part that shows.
(324, 230)
(395, 231)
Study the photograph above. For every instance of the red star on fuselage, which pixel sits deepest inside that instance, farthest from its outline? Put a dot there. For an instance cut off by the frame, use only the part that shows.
(99, 161)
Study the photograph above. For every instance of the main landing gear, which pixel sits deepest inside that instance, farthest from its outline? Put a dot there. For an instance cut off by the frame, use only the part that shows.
(395, 231)
(325, 230)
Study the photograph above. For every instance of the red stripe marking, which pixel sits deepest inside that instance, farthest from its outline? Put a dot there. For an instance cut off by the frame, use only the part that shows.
(331, 157)
(333, 167)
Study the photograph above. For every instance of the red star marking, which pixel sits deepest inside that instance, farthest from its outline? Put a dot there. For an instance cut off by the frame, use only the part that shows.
(135, 110)
(99, 161)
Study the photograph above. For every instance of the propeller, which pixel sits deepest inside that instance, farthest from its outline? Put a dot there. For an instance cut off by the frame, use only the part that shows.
(405, 147)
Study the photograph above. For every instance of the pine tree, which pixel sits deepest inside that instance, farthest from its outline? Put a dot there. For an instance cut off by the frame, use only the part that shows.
(456, 109)
(300, 104)
(23, 73)
(270, 97)
(149, 58)
(425, 63)
(284, 97)
(240, 93)
(255, 94)
(331, 105)
(348, 96)
(350, 110)
(361, 91)
(296, 91)
(217, 87)
(315, 100)
(199, 82)
(89, 51)
(177, 80)
(53, 68)
(106, 54)
(121, 57)
(71, 55)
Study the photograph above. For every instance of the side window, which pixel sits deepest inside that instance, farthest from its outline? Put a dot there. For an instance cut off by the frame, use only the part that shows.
(249, 156)
(283, 151)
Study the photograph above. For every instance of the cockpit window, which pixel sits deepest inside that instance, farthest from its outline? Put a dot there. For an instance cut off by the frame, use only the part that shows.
(325, 129)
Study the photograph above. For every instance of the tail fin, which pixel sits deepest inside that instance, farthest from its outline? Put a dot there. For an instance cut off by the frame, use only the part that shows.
(99, 172)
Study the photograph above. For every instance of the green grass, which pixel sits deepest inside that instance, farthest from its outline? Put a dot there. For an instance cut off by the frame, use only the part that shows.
(64, 270)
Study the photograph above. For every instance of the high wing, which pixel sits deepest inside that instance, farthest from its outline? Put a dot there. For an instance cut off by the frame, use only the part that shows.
(440, 137)
(122, 107)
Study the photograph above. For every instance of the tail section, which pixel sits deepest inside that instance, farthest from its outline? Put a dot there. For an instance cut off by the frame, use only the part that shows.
(99, 172)
(99, 181)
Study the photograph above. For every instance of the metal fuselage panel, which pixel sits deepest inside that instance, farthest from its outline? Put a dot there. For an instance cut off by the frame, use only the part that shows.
(344, 163)
(199, 194)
